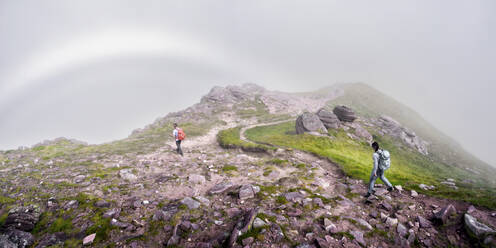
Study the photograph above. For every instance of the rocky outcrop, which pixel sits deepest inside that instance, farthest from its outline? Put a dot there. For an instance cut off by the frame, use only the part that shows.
(308, 122)
(23, 218)
(344, 113)
(329, 119)
(477, 229)
(393, 128)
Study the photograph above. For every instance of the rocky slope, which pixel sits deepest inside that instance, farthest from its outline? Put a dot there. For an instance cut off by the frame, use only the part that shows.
(138, 192)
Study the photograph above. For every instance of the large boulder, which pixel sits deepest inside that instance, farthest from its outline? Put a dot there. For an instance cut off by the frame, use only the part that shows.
(308, 122)
(477, 229)
(328, 118)
(23, 217)
(344, 113)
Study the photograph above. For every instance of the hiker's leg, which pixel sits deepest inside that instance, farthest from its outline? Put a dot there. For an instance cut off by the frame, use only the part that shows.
(372, 183)
(180, 151)
(384, 179)
(177, 145)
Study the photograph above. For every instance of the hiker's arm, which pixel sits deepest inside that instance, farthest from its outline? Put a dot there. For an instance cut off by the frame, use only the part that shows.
(376, 163)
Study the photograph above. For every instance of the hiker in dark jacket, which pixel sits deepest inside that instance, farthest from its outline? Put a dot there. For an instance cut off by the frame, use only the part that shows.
(377, 171)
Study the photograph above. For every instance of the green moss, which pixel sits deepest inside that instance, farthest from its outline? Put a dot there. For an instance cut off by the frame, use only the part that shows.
(281, 200)
(6, 200)
(72, 243)
(278, 161)
(101, 226)
(61, 225)
(301, 166)
(3, 218)
(228, 168)
(253, 232)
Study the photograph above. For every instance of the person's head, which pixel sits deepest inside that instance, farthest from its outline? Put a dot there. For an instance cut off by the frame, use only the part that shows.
(175, 125)
(375, 145)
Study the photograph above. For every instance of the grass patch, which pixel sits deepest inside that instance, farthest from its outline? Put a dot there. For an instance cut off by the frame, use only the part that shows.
(230, 139)
(409, 168)
(228, 168)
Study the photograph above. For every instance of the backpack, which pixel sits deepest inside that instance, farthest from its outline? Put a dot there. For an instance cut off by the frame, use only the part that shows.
(384, 159)
(180, 134)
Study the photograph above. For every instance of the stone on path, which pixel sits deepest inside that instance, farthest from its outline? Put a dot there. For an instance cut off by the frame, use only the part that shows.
(88, 240)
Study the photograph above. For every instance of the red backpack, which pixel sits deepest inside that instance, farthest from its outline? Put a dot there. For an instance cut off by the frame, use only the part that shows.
(180, 134)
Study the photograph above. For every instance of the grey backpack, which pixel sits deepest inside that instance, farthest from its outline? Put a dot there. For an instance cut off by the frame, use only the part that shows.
(384, 159)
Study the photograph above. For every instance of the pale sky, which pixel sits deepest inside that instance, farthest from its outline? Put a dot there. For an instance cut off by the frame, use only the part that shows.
(96, 70)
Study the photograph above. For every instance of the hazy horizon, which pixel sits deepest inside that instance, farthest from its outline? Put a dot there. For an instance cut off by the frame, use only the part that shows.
(96, 71)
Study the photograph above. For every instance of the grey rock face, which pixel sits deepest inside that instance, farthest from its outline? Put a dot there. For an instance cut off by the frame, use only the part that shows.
(344, 113)
(394, 128)
(23, 218)
(308, 122)
(477, 229)
(328, 118)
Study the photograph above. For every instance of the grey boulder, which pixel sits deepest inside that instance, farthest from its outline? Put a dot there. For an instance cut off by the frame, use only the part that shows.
(308, 122)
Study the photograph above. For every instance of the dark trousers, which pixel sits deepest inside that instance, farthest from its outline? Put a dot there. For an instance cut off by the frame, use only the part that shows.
(178, 144)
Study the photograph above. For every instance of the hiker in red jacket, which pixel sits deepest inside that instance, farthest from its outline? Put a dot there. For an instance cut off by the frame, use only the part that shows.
(179, 136)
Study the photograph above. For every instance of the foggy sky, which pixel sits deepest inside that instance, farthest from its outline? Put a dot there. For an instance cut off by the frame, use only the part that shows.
(96, 70)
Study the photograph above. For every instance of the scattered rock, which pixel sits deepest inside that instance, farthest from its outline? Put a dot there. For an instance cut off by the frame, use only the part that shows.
(471, 209)
(248, 241)
(365, 224)
(79, 179)
(192, 204)
(344, 113)
(386, 206)
(112, 213)
(477, 229)
(259, 223)
(126, 174)
(102, 204)
(294, 196)
(88, 240)
(196, 179)
(401, 229)
(220, 188)
(391, 222)
(359, 237)
(413, 193)
(423, 222)
(426, 187)
(308, 122)
(246, 192)
(444, 213)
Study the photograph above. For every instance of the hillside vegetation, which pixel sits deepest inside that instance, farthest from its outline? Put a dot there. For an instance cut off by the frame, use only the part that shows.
(409, 168)
(371, 103)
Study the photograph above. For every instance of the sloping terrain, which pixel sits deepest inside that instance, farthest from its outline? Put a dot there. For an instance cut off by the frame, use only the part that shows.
(292, 190)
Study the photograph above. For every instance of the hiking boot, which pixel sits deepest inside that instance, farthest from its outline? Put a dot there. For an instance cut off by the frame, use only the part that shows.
(390, 189)
(369, 194)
